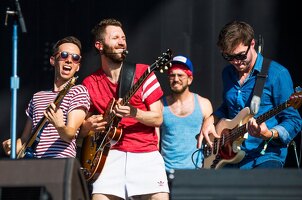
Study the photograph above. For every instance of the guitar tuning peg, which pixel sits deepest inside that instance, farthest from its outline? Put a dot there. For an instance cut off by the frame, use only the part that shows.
(161, 71)
(298, 89)
(166, 67)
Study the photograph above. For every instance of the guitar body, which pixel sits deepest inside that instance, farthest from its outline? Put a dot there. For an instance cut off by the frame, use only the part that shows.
(25, 152)
(94, 155)
(96, 146)
(229, 152)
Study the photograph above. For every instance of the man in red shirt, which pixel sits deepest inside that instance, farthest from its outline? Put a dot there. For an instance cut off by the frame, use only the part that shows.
(134, 167)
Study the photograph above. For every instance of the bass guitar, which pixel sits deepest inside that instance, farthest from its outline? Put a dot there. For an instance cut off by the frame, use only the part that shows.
(96, 145)
(29, 146)
(226, 149)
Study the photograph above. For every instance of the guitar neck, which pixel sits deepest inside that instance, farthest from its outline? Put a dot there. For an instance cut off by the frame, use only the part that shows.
(241, 130)
(135, 87)
(163, 61)
(43, 120)
(265, 116)
(112, 117)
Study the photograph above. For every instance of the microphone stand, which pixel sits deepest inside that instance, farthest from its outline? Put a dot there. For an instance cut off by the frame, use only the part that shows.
(14, 81)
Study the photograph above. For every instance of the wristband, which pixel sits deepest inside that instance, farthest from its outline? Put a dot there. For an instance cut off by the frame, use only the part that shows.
(266, 143)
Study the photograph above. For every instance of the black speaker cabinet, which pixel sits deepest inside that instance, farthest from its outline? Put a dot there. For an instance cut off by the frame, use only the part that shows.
(42, 179)
(235, 184)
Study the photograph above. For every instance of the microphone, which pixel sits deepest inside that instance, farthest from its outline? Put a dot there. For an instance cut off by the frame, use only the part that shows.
(260, 44)
(125, 52)
(20, 16)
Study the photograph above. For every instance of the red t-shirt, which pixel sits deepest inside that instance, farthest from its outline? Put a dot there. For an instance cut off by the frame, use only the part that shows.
(136, 136)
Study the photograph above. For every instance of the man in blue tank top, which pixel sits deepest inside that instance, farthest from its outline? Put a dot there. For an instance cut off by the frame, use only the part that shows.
(183, 115)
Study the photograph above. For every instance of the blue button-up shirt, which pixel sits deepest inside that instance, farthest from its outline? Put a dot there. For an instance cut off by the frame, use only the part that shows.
(277, 89)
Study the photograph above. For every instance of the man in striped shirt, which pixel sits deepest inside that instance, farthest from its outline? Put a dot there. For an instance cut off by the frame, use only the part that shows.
(57, 138)
(134, 167)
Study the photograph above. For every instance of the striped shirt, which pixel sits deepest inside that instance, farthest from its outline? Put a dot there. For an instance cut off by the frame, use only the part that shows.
(51, 145)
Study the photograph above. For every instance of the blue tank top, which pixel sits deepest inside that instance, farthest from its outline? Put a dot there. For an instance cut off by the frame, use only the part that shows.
(178, 138)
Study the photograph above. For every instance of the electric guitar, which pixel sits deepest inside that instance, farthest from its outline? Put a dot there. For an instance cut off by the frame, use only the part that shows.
(226, 149)
(29, 146)
(96, 145)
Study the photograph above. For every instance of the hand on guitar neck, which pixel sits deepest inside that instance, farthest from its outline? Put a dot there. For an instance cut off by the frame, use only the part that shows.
(259, 130)
(126, 110)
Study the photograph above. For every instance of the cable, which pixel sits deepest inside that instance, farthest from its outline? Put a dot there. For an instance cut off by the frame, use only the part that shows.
(192, 157)
(293, 143)
(300, 152)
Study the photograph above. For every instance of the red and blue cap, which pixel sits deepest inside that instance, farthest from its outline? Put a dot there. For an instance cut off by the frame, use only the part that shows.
(183, 63)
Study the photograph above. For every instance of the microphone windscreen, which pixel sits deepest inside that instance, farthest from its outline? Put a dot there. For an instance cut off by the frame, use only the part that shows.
(125, 52)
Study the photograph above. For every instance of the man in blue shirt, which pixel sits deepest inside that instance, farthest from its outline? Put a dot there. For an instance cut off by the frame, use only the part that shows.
(249, 145)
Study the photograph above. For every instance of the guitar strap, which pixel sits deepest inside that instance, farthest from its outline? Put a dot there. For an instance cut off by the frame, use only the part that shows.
(261, 78)
(126, 78)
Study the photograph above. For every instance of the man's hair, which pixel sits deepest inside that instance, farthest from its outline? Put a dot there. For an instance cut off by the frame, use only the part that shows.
(68, 39)
(234, 33)
(99, 29)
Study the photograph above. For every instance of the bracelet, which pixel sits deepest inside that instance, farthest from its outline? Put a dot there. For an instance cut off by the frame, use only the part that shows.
(266, 143)
(273, 134)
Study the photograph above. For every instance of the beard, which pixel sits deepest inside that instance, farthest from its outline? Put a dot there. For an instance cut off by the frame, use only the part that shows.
(180, 90)
(114, 57)
(243, 66)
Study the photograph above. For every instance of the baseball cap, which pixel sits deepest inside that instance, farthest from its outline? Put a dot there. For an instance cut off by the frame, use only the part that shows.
(180, 59)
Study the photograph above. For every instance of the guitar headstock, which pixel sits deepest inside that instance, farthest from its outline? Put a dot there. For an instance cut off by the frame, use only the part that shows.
(63, 92)
(163, 62)
(295, 99)
(71, 82)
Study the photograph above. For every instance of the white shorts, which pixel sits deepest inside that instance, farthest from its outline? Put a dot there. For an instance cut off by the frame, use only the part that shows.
(128, 174)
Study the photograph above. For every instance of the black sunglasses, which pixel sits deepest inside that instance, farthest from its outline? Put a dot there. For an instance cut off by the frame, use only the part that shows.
(240, 56)
(64, 55)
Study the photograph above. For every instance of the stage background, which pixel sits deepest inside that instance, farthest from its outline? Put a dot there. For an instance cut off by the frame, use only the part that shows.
(188, 27)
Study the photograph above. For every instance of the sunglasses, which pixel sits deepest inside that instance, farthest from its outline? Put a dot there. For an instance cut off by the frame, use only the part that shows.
(180, 76)
(64, 55)
(240, 56)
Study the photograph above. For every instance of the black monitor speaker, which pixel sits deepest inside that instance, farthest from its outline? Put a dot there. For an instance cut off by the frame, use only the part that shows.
(235, 184)
(42, 179)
